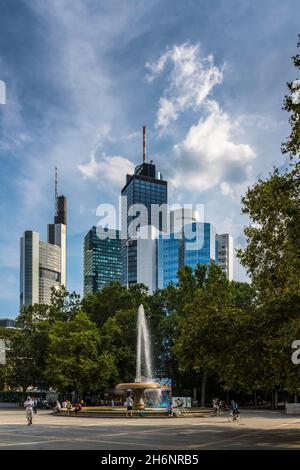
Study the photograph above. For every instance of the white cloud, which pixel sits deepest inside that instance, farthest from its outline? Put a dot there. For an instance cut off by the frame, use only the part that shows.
(226, 189)
(208, 156)
(190, 81)
(110, 170)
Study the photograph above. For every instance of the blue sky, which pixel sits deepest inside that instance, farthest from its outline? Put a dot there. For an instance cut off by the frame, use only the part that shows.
(207, 77)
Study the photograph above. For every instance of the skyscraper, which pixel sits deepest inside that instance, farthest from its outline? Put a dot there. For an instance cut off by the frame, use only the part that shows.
(225, 254)
(101, 261)
(146, 186)
(43, 264)
(192, 245)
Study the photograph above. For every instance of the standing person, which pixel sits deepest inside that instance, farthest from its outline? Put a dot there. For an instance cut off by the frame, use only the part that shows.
(57, 406)
(69, 407)
(170, 408)
(129, 406)
(35, 403)
(215, 404)
(28, 404)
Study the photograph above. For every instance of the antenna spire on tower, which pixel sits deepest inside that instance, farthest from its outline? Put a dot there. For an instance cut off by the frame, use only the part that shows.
(144, 144)
(56, 178)
(56, 190)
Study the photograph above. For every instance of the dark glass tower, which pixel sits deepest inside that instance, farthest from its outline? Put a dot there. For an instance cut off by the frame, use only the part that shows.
(146, 186)
(102, 261)
(61, 210)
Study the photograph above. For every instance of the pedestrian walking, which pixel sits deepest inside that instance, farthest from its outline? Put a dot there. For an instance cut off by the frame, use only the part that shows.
(29, 404)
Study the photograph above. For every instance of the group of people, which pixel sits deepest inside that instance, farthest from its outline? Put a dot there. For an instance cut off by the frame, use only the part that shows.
(67, 405)
(31, 405)
(177, 409)
(219, 405)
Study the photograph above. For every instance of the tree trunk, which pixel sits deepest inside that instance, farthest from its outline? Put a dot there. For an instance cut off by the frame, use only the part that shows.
(203, 385)
(296, 398)
(255, 399)
(275, 399)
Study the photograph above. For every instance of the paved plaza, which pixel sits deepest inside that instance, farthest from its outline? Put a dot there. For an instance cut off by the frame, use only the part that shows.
(256, 430)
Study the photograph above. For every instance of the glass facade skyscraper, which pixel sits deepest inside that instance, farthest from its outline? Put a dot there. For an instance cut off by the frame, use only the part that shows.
(197, 245)
(146, 186)
(102, 261)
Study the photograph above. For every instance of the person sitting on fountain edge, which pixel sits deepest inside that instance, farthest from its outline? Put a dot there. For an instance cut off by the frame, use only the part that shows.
(129, 405)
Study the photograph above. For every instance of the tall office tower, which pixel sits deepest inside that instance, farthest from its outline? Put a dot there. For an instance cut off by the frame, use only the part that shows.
(101, 261)
(147, 246)
(43, 264)
(225, 254)
(195, 245)
(147, 258)
(146, 186)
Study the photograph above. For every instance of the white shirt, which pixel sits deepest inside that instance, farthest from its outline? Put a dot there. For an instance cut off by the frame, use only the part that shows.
(29, 405)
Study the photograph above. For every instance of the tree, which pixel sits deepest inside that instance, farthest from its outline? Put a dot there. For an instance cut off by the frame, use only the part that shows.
(102, 305)
(292, 105)
(75, 362)
(118, 338)
(64, 305)
(208, 328)
(272, 258)
(27, 352)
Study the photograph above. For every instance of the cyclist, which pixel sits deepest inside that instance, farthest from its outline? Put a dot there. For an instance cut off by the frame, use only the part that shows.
(234, 408)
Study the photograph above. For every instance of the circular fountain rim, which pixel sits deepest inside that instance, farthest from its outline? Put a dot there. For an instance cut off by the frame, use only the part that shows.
(138, 385)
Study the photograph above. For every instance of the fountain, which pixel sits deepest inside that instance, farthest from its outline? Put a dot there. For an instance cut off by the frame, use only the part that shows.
(143, 357)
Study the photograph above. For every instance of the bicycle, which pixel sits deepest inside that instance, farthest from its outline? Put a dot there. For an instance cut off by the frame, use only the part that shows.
(234, 416)
(180, 412)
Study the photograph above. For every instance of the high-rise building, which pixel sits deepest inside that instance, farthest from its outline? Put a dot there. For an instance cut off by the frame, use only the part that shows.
(191, 245)
(43, 265)
(146, 186)
(4, 344)
(225, 254)
(101, 260)
(7, 323)
(147, 258)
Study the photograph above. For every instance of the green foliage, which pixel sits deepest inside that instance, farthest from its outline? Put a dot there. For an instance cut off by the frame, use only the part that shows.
(75, 361)
(210, 327)
(102, 305)
(272, 254)
(292, 106)
(272, 258)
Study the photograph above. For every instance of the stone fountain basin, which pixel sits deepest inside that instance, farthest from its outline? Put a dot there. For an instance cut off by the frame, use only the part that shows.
(138, 385)
(138, 388)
